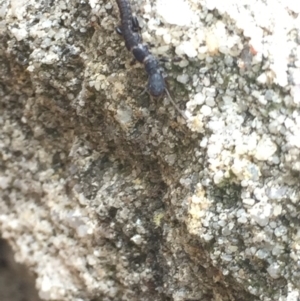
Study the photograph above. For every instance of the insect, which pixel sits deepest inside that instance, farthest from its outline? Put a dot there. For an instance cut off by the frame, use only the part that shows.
(129, 28)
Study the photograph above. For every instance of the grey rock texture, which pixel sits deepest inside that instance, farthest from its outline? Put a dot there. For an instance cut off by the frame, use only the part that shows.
(109, 195)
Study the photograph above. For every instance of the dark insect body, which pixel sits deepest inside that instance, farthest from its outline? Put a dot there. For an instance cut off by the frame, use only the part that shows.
(133, 41)
(129, 30)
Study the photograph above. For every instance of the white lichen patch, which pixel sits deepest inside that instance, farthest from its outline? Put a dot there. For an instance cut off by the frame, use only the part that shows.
(180, 13)
(249, 126)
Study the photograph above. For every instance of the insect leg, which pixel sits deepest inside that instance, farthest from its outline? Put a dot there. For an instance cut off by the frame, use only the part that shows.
(135, 24)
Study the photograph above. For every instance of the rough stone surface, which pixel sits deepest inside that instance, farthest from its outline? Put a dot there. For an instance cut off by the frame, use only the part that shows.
(109, 195)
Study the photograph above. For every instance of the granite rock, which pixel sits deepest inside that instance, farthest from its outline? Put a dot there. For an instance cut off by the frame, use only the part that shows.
(107, 194)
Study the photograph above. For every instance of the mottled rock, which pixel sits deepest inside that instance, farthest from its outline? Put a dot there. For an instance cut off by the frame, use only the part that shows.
(110, 195)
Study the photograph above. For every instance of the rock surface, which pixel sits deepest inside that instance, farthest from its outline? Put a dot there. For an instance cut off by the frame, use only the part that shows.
(109, 195)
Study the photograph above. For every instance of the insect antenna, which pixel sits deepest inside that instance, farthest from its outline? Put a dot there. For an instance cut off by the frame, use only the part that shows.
(175, 105)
